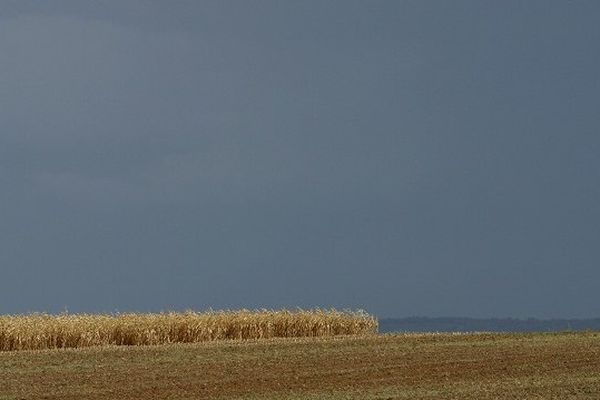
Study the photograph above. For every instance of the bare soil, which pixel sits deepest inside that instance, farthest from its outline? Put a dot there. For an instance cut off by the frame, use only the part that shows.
(424, 366)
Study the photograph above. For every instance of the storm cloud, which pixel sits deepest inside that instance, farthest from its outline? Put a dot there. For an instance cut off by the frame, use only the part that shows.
(410, 158)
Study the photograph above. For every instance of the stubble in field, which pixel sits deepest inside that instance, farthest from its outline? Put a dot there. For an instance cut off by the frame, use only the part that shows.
(475, 366)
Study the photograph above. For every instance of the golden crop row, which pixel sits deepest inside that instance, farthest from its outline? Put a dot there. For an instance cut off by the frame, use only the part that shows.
(44, 331)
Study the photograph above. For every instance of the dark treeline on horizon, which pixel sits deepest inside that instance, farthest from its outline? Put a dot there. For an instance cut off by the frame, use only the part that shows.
(448, 324)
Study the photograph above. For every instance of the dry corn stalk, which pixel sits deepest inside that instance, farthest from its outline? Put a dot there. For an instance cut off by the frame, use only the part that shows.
(44, 331)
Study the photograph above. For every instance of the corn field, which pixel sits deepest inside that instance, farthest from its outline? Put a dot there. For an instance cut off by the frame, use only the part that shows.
(44, 331)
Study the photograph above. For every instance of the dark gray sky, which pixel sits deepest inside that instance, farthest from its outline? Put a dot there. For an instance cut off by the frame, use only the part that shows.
(407, 157)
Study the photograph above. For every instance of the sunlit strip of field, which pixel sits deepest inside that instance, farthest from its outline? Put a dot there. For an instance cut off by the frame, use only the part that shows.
(466, 366)
(42, 331)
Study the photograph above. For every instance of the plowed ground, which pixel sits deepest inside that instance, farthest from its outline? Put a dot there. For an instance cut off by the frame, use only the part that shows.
(474, 366)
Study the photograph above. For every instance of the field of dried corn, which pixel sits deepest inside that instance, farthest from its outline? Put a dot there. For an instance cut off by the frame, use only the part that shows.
(43, 331)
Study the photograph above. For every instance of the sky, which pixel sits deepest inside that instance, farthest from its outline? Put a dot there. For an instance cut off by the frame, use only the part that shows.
(426, 158)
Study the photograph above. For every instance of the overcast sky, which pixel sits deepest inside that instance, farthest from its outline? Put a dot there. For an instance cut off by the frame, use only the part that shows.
(406, 157)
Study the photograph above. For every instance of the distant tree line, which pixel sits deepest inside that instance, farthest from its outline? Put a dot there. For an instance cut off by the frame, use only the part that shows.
(425, 324)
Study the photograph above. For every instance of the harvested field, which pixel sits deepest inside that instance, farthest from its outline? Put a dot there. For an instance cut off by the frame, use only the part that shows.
(424, 366)
(42, 331)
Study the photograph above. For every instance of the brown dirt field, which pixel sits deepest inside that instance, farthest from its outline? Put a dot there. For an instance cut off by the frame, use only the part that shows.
(474, 366)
